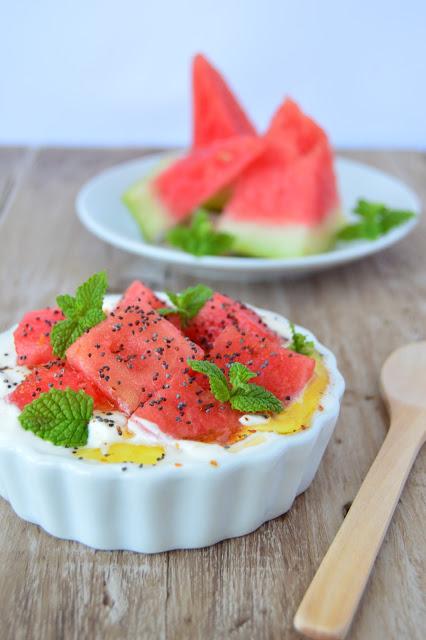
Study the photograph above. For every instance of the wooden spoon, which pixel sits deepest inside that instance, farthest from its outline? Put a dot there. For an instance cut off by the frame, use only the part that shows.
(332, 598)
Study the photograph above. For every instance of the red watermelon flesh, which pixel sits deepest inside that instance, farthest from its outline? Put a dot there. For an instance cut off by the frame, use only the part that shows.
(139, 295)
(186, 410)
(274, 192)
(217, 114)
(279, 370)
(56, 375)
(131, 354)
(32, 336)
(196, 178)
(293, 132)
(220, 312)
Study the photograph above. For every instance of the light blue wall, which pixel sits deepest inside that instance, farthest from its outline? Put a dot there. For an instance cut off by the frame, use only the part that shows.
(117, 72)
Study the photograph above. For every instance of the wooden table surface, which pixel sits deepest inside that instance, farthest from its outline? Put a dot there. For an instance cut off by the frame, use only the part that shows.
(248, 587)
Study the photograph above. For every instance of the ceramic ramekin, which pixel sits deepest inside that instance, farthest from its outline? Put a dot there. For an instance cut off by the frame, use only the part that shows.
(156, 509)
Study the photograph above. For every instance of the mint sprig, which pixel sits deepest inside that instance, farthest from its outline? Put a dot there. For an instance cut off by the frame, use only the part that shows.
(218, 383)
(187, 303)
(242, 396)
(300, 343)
(200, 237)
(375, 220)
(60, 416)
(82, 312)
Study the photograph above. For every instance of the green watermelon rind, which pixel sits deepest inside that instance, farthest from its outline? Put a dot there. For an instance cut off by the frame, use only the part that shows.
(151, 216)
(261, 240)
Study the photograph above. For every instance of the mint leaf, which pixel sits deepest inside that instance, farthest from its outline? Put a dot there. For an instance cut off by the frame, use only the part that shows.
(394, 218)
(300, 343)
(194, 298)
(66, 303)
(217, 379)
(200, 238)
(61, 338)
(251, 398)
(187, 303)
(60, 416)
(248, 398)
(375, 220)
(367, 209)
(167, 311)
(239, 374)
(351, 232)
(82, 312)
(91, 293)
(173, 297)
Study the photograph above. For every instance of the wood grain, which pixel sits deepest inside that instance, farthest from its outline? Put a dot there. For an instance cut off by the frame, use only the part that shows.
(248, 587)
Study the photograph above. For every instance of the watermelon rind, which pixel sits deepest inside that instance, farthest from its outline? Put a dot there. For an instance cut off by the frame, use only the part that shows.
(282, 241)
(151, 216)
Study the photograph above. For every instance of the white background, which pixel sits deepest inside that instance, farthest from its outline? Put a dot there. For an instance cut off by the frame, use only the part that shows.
(117, 72)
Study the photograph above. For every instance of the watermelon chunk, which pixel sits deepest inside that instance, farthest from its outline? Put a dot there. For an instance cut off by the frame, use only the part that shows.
(132, 354)
(221, 311)
(279, 370)
(139, 295)
(285, 209)
(186, 410)
(162, 201)
(32, 336)
(56, 375)
(217, 114)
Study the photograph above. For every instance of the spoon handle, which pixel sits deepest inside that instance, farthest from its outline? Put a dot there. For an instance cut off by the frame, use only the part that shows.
(331, 600)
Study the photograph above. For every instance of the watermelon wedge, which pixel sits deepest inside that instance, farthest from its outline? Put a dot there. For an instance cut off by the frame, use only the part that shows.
(285, 208)
(56, 375)
(32, 336)
(279, 370)
(131, 355)
(162, 201)
(217, 114)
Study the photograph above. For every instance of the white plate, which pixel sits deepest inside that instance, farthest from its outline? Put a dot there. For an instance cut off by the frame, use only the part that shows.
(100, 209)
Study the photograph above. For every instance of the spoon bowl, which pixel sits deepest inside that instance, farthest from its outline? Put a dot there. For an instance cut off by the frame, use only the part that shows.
(403, 377)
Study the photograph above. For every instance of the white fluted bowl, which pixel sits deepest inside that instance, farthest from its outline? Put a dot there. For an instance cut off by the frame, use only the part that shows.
(153, 509)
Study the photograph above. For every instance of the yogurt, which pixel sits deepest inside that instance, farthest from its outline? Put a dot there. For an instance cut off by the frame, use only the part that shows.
(113, 432)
